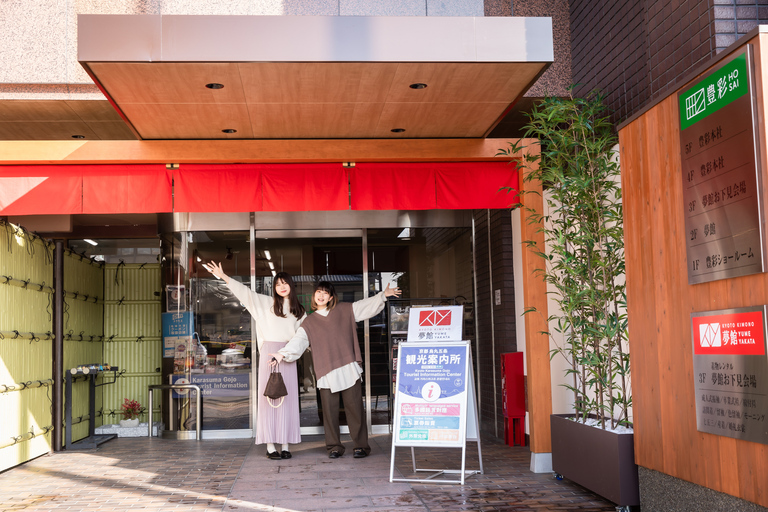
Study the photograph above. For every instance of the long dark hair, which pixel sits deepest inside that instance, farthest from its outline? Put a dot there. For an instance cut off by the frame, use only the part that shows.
(296, 309)
(326, 287)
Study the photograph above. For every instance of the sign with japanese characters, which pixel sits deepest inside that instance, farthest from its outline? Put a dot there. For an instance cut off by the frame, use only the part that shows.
(177, 332)
(434, 394)
(731, 372)
(442, 323)
(722, 190)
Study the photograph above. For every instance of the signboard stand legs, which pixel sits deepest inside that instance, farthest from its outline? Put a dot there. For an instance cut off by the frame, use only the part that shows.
(433, 413)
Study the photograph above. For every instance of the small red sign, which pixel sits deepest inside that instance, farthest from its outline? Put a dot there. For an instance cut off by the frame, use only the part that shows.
(729, 334)
(431, 318)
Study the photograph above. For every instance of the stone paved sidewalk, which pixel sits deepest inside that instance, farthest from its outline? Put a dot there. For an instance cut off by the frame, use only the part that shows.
(128, 474)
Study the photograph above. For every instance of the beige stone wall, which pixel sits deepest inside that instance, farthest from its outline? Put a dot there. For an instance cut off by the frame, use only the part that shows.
(38, 38)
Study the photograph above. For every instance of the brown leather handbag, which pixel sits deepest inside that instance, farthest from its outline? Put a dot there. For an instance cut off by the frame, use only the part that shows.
(275, 388)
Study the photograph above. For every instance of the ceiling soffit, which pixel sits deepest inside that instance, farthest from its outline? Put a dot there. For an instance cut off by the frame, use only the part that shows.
(313, 77)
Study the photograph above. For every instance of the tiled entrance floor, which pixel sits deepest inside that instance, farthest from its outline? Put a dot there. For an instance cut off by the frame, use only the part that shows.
(128, 474)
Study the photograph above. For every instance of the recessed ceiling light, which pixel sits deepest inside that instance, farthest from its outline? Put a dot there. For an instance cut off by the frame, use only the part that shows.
(397, 130)
(214, 86)
(78, 136)
(418, 86)
(90, 241)
(229, 130)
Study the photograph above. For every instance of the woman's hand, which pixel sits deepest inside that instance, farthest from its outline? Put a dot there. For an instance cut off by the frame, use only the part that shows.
(276, 359)
(215, 269)
(392, 292)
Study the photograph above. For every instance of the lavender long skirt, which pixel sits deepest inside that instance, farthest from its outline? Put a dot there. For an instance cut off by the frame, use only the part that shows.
(277, 425)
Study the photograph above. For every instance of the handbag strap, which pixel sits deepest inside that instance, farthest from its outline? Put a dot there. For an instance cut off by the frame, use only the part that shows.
(269, 401)
(274, 369)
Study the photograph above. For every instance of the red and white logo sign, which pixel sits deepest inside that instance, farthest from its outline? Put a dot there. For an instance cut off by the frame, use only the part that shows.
(441, 323)
(434, 317)
(729, 334)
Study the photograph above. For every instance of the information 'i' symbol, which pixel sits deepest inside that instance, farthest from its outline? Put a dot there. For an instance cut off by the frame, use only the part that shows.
(430, 391)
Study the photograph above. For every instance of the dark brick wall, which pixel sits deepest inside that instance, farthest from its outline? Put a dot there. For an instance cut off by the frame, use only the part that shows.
(734, 18)
(498, 276)
(609, 51)
(638, 51)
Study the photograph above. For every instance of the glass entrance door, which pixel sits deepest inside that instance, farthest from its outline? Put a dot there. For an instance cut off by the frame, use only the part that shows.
(334, 256)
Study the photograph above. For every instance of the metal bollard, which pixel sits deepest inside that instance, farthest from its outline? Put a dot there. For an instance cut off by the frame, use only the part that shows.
(198, 404)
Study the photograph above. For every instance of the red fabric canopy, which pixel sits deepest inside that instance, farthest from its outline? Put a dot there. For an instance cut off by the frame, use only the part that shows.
(40, 189)
(407, 186)
(217, 188)
(476, 185)
(127, 189)
(425, 186)
(74, 189)
(302, 187)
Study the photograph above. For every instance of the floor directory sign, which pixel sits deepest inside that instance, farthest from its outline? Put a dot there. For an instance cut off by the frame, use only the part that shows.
(435, 400)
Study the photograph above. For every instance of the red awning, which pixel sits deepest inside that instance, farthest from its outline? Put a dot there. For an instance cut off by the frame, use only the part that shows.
(426, 186)
(73, 189)
(301, 187)
(127, 189)
(217, 188)
(463, 186)
(382, 186)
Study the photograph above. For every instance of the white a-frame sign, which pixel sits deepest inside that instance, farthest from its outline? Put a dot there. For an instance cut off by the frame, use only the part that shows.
(435, 405)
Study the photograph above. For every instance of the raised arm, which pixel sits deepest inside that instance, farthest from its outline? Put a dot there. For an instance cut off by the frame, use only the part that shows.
(255, 303)
(372, 306)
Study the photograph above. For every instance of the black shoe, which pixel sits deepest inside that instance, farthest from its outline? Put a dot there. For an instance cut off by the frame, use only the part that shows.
(335, 454)
(285, 454)
(273, 455)
(360, 453)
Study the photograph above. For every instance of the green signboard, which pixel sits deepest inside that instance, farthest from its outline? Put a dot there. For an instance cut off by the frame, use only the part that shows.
(714, 92)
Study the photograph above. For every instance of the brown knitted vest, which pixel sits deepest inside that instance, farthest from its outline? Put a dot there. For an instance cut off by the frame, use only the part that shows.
(333, 339)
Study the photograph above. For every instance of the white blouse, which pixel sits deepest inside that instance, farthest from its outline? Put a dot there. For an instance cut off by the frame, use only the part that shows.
(344, 377)
(269, 326)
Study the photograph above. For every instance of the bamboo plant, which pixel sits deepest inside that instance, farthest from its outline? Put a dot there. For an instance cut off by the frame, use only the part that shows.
(584, 249)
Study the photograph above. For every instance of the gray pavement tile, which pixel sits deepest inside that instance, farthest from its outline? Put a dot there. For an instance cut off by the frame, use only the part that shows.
(364, 490)
(323, 504)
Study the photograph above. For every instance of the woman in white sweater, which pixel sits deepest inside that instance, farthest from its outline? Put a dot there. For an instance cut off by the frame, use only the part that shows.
(332, 333)
(277, 319)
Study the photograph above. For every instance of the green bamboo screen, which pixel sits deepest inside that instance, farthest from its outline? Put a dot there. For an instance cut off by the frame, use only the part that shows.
(132, 322)
(83, 332)
(25, 362)
(111, 315)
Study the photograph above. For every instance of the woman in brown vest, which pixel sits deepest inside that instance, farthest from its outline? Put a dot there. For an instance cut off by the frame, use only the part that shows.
(332, 334)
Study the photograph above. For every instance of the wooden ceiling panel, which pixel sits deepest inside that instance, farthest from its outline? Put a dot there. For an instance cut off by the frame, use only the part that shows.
(188, 121)
(94, 110)
(316, 82)
(436, 120)
(112, 130)
(314, 121)
(169, 82)
(45, 130)
(461, 82)
(36, 110)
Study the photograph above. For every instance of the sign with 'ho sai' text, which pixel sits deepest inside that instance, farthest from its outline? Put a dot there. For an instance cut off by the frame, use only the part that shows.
(722, 190)
(731, 372)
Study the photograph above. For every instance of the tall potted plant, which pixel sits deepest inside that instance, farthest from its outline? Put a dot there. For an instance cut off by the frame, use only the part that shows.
(583, 267)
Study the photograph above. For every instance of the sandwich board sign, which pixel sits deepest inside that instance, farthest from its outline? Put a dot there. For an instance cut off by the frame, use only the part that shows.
(435, 404)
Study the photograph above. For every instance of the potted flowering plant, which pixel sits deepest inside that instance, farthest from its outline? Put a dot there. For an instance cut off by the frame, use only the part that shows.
(131, 410)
